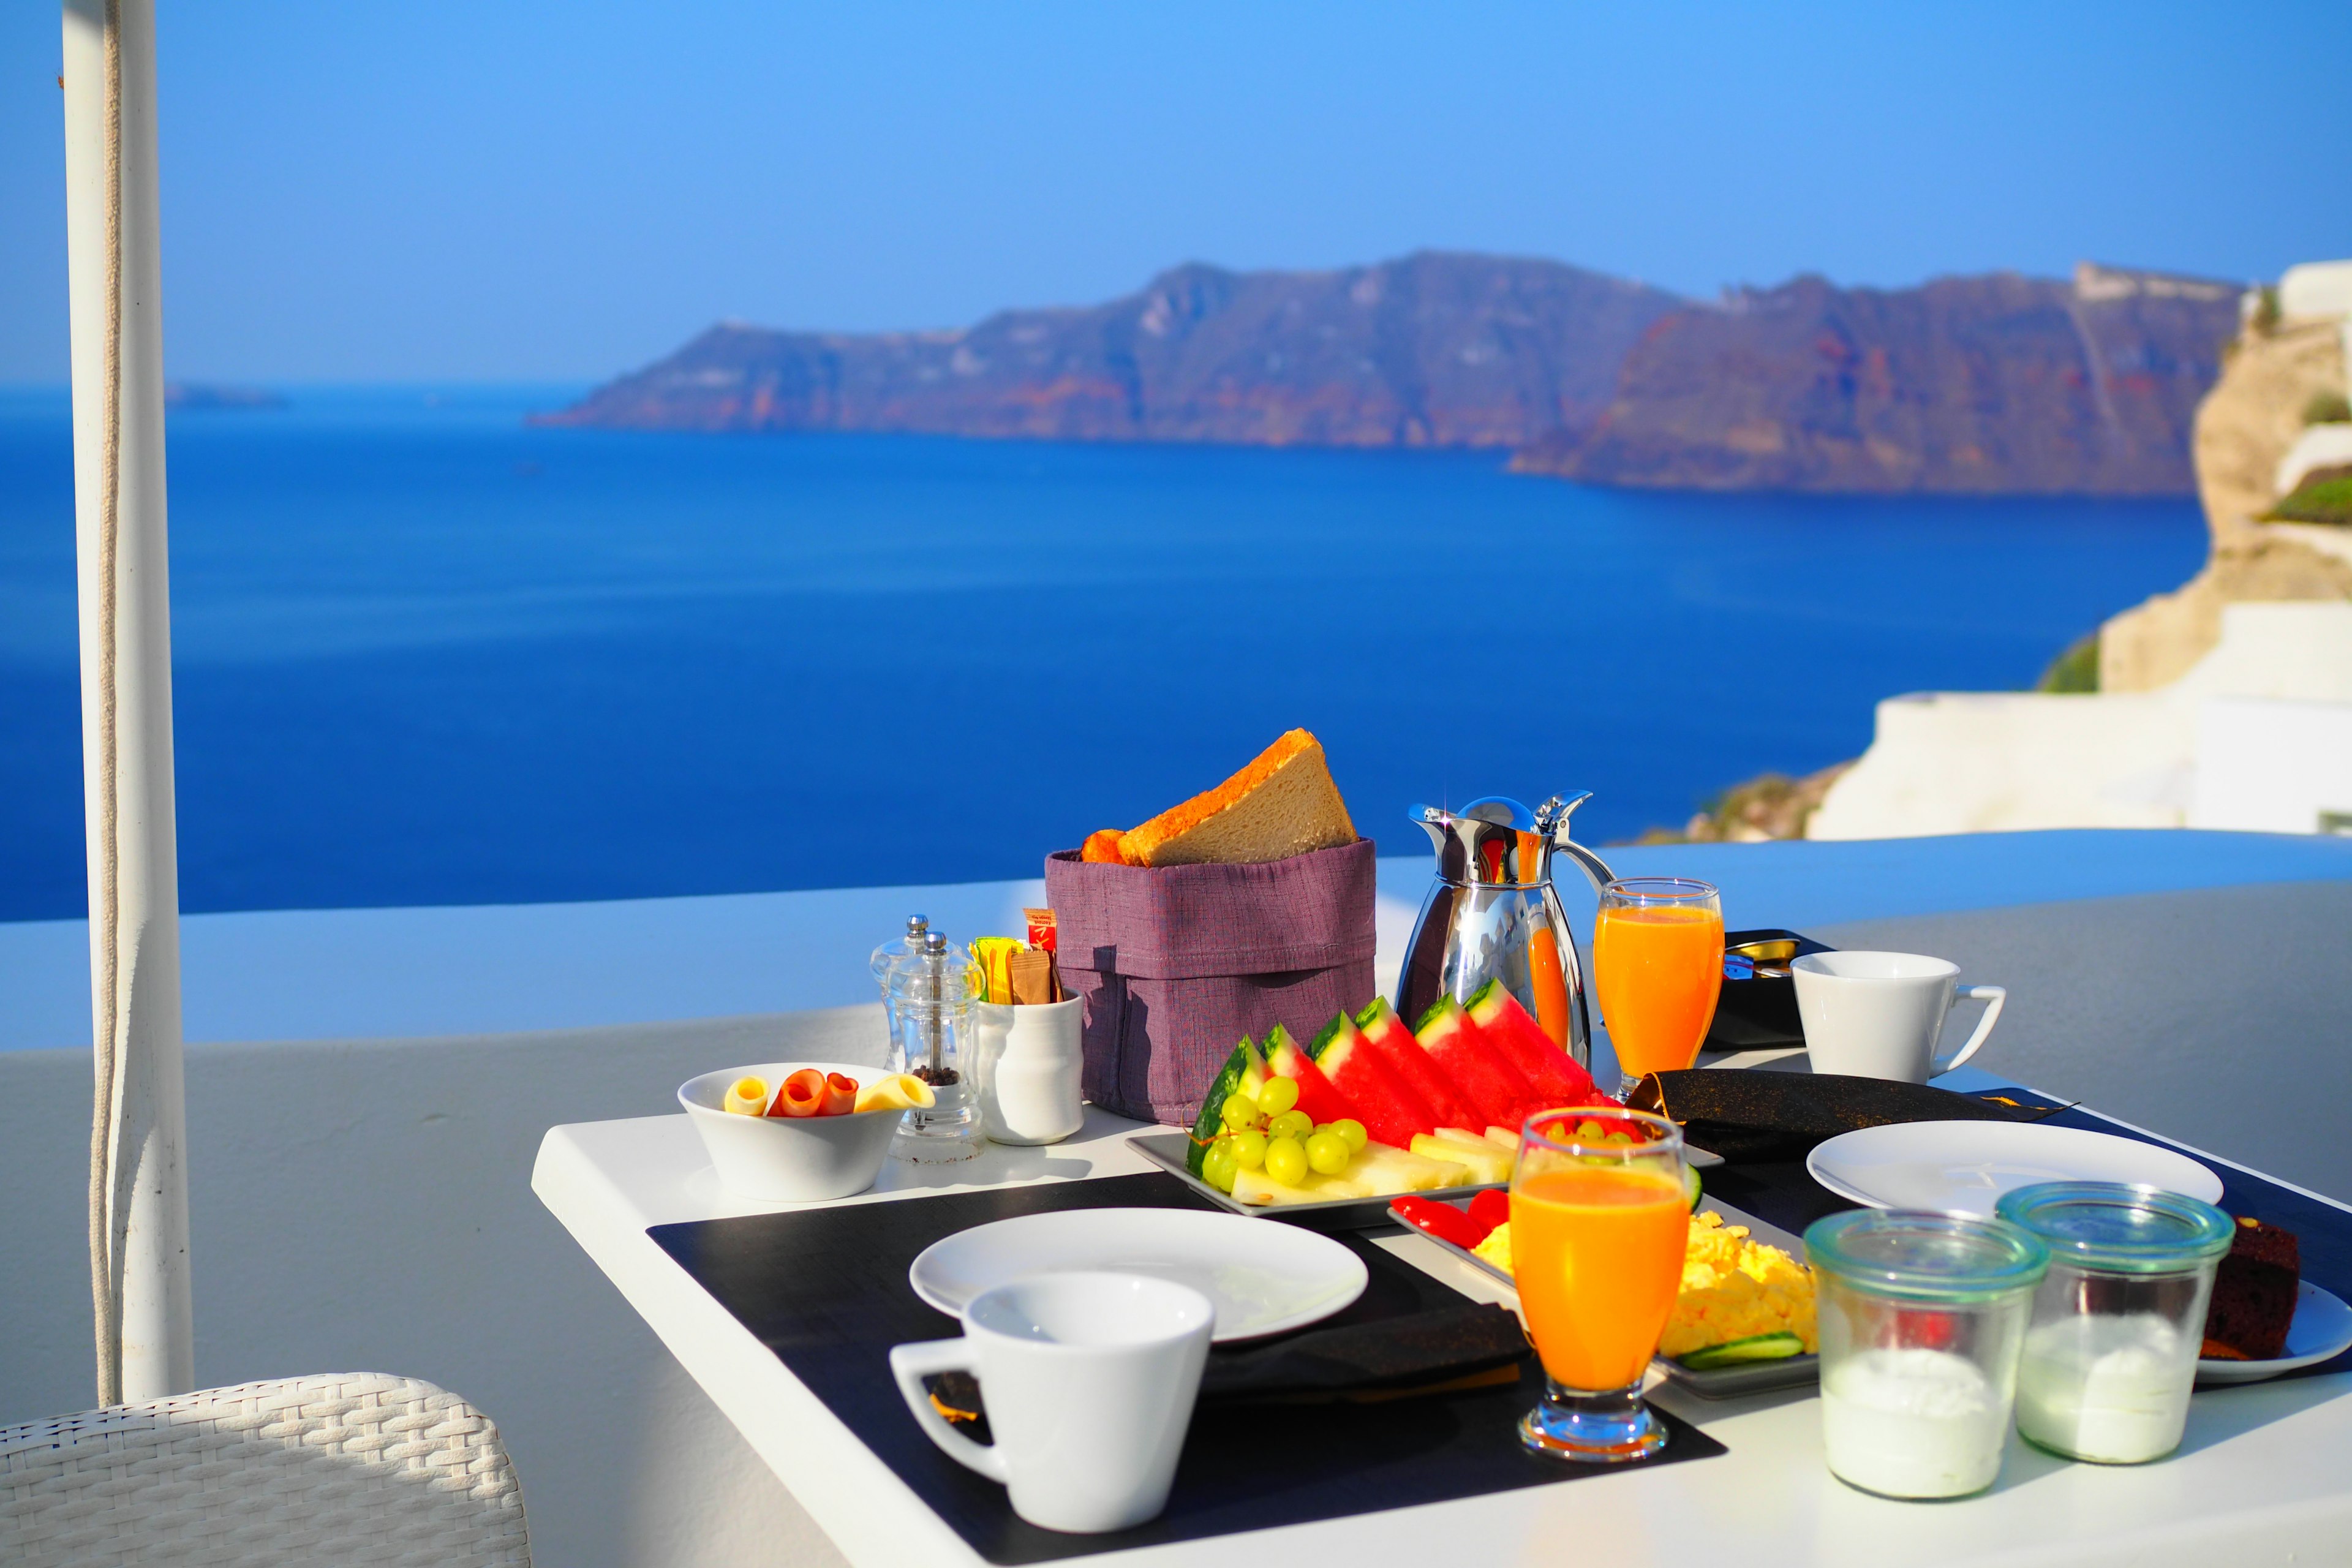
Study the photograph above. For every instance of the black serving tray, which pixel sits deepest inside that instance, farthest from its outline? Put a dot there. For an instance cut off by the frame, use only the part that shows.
(1759, 1012)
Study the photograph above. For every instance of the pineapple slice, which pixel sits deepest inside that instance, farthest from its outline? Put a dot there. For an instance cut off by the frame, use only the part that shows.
(1258, 1189)
(1485, 1162)
(1392, 1170)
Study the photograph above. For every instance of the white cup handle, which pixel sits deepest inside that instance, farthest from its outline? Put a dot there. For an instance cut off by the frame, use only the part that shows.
(912, 1363)
(1995, 997)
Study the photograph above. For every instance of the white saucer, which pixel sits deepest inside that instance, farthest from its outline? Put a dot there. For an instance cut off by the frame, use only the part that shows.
(1263, 1279)
(1963, 1167)
(2322, 1328)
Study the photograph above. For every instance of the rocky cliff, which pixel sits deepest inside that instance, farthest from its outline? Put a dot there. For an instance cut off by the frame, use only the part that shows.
(2254, 414)
(1981, 385)
(1988, 385)
(1433, 350)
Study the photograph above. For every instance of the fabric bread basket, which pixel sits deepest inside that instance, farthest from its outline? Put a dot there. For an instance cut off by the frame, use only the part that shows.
(1176, 964)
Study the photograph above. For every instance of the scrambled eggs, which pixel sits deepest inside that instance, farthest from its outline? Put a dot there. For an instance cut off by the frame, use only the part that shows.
(1733, 1288)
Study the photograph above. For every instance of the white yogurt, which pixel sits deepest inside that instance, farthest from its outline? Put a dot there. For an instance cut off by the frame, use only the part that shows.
(1913, 1424)
(2112, 1388)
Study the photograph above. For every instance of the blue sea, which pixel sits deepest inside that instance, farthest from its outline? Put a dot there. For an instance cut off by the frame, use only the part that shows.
(425, 653)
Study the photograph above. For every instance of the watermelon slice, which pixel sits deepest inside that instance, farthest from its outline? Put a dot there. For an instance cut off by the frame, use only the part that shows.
(1244, 1070)
(1316, 1098)
(1493, 1088)
(1503, 1024)
(1390, 1111)
(1385, 1033)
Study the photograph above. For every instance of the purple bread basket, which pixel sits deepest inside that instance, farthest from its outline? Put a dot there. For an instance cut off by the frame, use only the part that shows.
(1176, 964)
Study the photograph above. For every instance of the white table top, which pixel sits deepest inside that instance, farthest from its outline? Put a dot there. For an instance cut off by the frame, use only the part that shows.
(2261, 1475)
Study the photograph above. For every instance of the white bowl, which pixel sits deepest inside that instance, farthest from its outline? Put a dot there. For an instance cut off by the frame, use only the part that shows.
(789, 1159)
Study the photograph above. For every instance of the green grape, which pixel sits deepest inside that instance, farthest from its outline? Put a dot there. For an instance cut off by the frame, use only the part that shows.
(1328, 1153)
(1588, 1130)
(1248, 1149)
(1240, 1111)
(1280, 1094)
(1290, 1124)
(1286, 1162)
(1349, 1127)
(1617, 1136)
(1217, 1169)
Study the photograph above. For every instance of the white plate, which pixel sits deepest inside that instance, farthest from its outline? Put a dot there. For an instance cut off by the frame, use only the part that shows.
(1963, 1167)
(2322, 1328)
(1262, 1278)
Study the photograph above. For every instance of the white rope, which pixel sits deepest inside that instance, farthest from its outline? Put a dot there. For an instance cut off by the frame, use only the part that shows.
(109, 1215)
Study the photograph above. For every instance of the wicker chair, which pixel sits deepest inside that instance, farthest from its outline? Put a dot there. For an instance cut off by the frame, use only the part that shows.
(354, 1467)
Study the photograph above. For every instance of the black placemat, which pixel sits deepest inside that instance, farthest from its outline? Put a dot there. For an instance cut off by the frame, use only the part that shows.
(1787, 1194)
(826, 1290)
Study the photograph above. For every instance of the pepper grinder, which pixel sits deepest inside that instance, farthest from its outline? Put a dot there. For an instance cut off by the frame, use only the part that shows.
(935, 1013)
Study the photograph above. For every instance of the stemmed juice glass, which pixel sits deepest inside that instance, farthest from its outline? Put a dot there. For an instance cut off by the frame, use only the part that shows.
(1657, 965)
(1599, 1225)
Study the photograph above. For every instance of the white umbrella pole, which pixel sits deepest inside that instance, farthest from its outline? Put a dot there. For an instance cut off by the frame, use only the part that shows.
(139, 1189)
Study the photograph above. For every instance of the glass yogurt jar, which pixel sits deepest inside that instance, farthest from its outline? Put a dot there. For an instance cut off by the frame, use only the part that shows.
(1921, 1319)
(2111, 1354)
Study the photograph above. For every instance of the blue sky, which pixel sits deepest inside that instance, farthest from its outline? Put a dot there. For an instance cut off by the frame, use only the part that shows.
(524, 190)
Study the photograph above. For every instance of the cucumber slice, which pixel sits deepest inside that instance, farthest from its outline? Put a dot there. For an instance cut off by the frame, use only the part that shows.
(1692, 1192)
(1756, 1347)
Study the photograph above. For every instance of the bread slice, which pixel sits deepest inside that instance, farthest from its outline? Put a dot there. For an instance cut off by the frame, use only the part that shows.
(1283, 803)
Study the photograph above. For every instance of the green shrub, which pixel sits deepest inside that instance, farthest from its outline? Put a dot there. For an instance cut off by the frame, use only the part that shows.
(2327, 408)
(2324, 497)
(2075, 670)
(2266, 309)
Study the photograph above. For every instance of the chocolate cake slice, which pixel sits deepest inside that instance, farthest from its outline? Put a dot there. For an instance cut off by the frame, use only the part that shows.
(2253, 1294)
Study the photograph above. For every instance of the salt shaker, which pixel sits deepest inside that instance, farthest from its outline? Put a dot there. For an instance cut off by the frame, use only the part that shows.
(899, 955)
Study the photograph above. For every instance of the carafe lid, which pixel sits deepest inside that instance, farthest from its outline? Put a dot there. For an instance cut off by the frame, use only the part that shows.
(1497, 841)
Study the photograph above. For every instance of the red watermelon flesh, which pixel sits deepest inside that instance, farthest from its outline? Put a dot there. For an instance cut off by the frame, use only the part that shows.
(1503, 1024)
(1495, 1090)
(1390, 1112)
(1316, 1098)
(1384, 1032)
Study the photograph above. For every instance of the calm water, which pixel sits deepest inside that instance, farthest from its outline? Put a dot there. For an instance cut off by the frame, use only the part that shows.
(425, 655)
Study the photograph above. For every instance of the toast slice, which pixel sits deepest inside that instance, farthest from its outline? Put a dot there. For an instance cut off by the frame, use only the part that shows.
(1283, 803)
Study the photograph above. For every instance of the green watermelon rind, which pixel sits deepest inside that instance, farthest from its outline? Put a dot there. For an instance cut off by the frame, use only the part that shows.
(1322, 1042)
(1213, 1108)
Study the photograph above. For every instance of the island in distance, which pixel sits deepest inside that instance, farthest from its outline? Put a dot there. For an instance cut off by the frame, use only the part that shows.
(1995, 384)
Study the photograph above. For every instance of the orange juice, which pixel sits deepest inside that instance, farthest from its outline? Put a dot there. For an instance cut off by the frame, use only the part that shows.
(1598, 1253)
(1658, 969)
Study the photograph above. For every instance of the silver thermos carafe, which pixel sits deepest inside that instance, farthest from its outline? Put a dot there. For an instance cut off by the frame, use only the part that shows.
(1493, 913)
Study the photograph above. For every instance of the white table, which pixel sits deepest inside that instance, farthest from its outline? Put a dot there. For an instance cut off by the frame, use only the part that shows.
(2265, 1473)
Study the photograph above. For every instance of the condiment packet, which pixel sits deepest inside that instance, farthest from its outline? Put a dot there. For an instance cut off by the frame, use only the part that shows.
(1042, 930)
(1033, 977)
(990, 955)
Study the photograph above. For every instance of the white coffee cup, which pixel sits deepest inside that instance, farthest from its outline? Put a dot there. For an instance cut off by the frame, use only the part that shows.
(1088, 1379)
(1879, 1014)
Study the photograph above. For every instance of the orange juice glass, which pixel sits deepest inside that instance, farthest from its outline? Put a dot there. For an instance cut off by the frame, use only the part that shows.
(1599, 1226)
(1657, 967)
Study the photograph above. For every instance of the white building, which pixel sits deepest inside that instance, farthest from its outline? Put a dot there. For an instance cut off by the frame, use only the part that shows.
(2258, 736)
